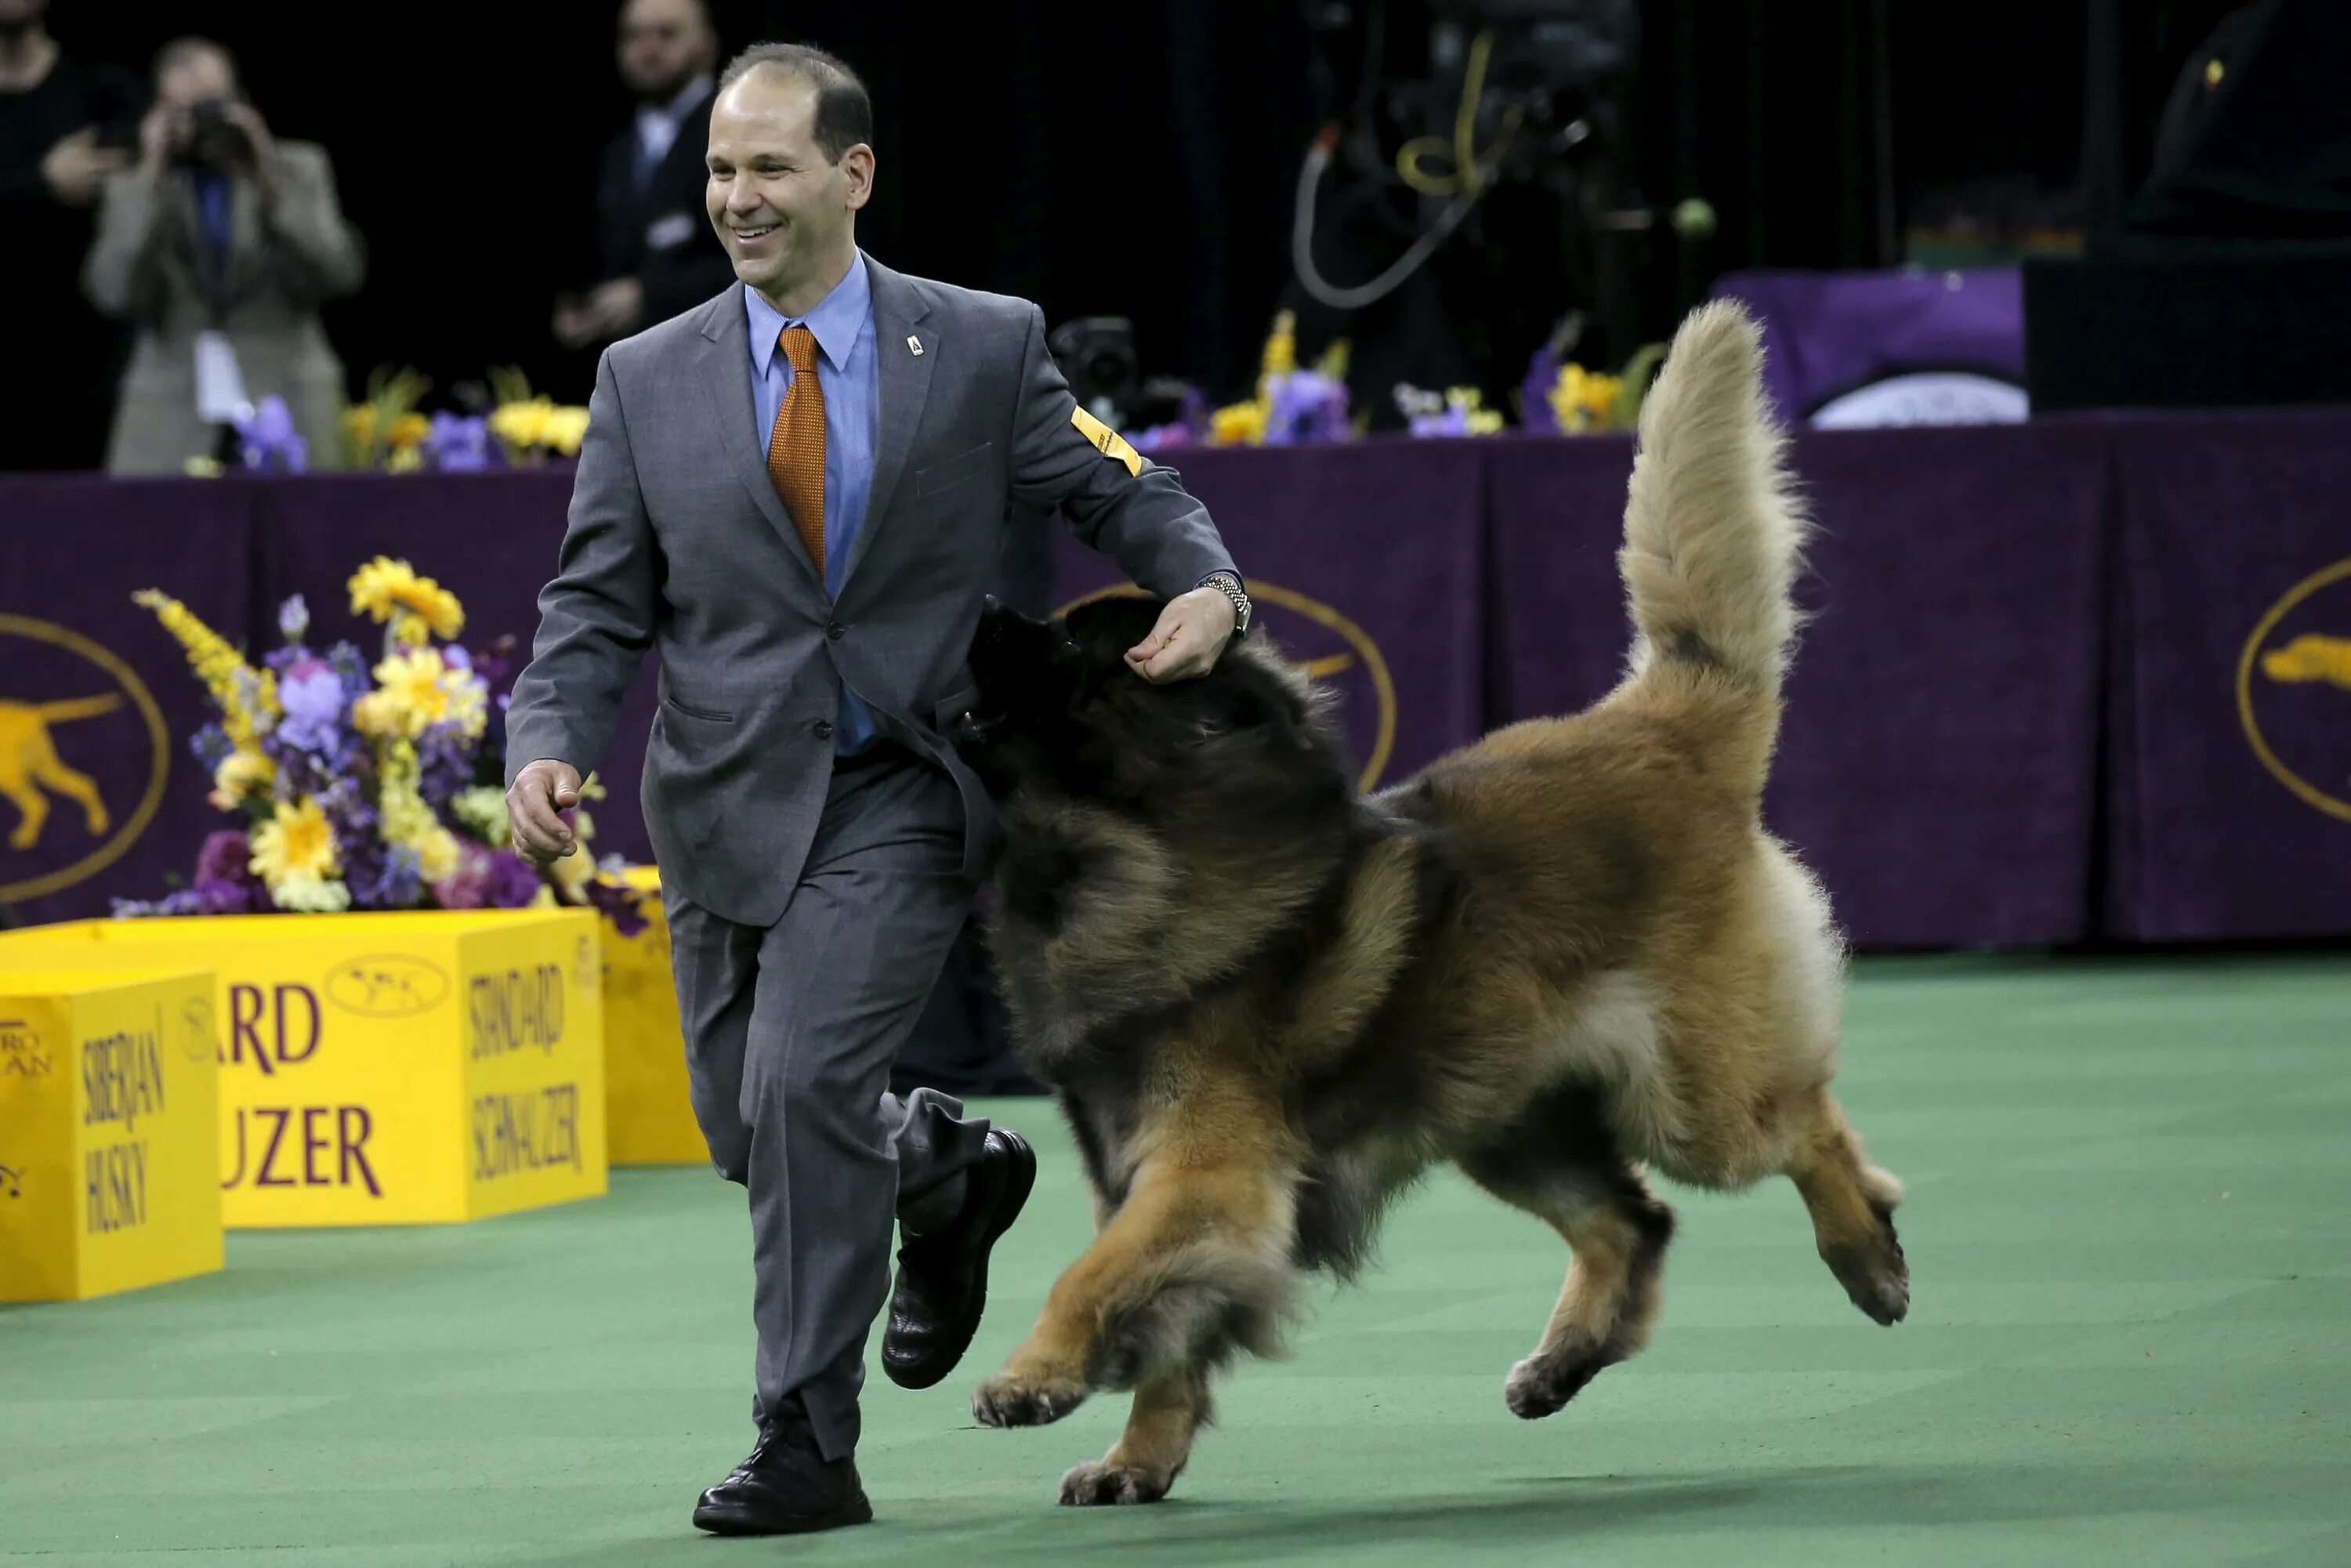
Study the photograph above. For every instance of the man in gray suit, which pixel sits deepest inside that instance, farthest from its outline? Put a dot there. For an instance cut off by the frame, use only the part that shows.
(809, 552)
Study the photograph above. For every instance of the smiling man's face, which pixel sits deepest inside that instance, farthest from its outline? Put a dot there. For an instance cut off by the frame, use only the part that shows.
(786, 212)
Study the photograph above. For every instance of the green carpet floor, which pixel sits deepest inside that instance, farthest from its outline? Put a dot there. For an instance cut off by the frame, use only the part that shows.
(2130, 1223)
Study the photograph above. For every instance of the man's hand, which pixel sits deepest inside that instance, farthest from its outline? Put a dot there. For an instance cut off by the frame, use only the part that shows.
(541, 792)
(161, 134)
(247, 119)
(76, 167)
(611, 310)
(1192, 632)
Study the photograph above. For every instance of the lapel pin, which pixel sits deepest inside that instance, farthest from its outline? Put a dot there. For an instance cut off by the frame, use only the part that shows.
(914, 345)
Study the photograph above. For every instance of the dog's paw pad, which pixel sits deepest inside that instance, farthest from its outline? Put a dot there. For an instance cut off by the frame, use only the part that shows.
(1099, 1484)
(1003, 1402)
(1541, 1385)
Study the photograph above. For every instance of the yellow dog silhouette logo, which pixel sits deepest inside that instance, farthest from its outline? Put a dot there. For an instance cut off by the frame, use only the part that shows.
(67, 675)
(2305, 658)
(31, 769)
(2313, 657)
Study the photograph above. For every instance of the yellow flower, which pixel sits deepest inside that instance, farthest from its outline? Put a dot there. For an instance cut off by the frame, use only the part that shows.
(241, 773)
(1237, 425)
(416, 689)
(418, 607)
(297, 844)
(408, 430)
(522, 423)
(247, 697)
(1581, 400)
(437, 854)
(565, 428)
(311, 895)
(407, 820)
(358, 430)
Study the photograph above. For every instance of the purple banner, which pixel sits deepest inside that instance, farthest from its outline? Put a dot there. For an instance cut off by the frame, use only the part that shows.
(2232, 677)
(1364, 565)
(99, 794)
(2086, 676)
(1937, 768)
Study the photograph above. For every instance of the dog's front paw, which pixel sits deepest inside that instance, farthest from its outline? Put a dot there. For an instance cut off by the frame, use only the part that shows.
(1005, 1400)
(1098, 1483)
(1542, 1384)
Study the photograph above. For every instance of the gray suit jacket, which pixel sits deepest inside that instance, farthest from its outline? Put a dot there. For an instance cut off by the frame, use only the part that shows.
(677, 542)
(286, 254)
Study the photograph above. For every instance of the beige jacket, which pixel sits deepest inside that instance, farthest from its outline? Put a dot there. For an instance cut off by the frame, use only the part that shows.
(289, 249)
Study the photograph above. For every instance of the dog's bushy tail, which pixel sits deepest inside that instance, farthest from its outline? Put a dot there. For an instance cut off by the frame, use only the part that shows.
(1712, 527)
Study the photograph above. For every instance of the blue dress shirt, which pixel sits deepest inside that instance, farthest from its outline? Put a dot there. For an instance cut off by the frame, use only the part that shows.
(848, 374)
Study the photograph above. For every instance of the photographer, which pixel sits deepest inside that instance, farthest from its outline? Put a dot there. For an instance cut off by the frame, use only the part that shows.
(66, 125)
(219, 247)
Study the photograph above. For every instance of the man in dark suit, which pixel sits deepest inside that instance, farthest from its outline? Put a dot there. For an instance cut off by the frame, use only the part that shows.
(656, 254)
(798, 493)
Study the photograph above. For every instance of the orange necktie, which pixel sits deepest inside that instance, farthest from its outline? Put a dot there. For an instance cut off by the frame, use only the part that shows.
(795, 450)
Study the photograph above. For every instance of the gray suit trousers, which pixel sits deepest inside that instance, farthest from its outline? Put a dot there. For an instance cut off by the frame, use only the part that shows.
(790, 1030)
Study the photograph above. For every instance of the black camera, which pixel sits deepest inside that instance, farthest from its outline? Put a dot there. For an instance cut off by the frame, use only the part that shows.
(215, 143)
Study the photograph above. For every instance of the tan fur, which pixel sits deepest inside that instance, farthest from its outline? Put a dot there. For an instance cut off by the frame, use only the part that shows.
(1562, 955)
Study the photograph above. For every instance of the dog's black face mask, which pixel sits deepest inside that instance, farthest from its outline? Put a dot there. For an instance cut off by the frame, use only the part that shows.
(1059, 704)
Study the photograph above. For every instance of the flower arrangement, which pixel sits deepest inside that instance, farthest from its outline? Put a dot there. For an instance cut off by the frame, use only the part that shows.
(1456, 411)
(1292, 405)
(361, 787)
(507, 426)
(1564, 397)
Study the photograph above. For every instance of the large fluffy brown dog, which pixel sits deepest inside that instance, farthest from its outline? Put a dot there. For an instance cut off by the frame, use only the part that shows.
(1268, 1004)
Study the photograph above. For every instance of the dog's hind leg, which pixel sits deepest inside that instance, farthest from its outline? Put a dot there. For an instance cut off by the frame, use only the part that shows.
(1851, 1204)
(1560, 1162)
(1196, 1254)
(1169, 1408)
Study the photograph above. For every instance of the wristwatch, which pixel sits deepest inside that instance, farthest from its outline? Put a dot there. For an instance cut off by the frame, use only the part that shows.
(1229, 585)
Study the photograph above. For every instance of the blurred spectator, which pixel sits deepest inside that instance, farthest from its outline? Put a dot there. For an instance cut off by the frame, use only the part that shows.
(656, 249)
(218, 247)
(65, 126)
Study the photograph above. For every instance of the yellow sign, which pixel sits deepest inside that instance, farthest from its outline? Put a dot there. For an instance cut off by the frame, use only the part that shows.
(1355, 665)
(385, 1068)
(111, 715)
(648, 1104)
(109, 1131)
(2316, 658)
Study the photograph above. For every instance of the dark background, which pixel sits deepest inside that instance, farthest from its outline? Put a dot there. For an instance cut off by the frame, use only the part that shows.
(1141, 158)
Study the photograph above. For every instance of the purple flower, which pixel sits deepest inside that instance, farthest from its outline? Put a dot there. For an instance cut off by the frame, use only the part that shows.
(226, 856)
(267, 439)
(445, 764)
(382, 876)
(487, 879)
(514, 883)
(1159, 437)
(623, 906)
(459, 443)
(312, 694)
(210, 746)
(1534, 392)
(1307, 406)
(293, 619)
(186, 900)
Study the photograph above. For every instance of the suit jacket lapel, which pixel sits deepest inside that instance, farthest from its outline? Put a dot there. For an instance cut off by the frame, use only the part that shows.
(906, 382)
(724, 372)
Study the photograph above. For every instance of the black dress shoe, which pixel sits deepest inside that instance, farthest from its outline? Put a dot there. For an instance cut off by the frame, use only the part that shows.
(786, 1487)
(943, 1276)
